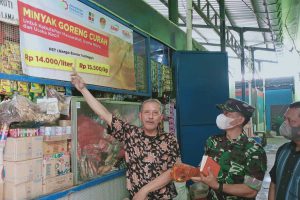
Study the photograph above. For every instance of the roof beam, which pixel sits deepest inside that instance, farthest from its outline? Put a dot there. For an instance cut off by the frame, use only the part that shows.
(246, 47)
(256, 60)
(258, 15)
(267, 61)
(211, 44)
(260, 48)
(183, 19)
(212, 18)
(229, 17)
(232, 28)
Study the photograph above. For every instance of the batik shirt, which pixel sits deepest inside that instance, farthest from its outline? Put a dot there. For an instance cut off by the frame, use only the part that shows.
(242, 161)
(146, 157)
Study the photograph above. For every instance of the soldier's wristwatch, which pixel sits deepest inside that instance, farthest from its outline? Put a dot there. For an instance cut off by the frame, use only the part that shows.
(220, 189)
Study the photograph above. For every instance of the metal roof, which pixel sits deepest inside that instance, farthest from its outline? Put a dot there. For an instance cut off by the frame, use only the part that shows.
(260, 19)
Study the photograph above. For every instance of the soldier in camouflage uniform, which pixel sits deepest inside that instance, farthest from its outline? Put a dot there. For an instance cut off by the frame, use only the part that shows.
(243, 161)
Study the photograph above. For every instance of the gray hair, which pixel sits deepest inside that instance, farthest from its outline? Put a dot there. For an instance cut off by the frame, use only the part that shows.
(152, 101)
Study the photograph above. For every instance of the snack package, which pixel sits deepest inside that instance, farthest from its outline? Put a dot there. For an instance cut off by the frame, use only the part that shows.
(6, 87)
(63, 101)
(59, 89)
(23, 88)
(10, 58)
(167, 78)
(36, 88)
(49, 105)
(182, 172)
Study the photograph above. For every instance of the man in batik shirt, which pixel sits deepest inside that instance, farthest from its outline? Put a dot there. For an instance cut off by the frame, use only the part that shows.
(243, 161)
(149, 153)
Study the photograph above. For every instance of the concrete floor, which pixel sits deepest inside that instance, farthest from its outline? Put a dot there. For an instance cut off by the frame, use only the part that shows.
(272, 145)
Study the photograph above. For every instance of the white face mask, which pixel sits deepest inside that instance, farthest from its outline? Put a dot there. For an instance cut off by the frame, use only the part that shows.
(223, 122)
(291, 133)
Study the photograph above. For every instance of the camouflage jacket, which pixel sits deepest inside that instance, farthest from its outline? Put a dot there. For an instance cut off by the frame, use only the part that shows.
(242, 161)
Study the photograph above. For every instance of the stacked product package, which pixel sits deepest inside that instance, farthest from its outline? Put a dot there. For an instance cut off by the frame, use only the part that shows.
(10, 58)
(21, 155)
(140, 73)
(23, 158)
(23, 152)
(161, 78)
(154, 75)
(167, 81)
(56, 170)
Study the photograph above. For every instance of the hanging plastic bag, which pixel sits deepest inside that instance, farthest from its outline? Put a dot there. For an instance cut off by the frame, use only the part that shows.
(198, 191)
(182, 191)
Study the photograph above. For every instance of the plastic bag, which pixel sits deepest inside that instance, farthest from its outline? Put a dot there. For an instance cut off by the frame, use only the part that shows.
(21, 109)
(63, 101)
(182, 191)
(182, 172)
(198, 191)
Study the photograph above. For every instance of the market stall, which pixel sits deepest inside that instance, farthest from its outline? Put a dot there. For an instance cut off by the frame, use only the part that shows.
(52, 145)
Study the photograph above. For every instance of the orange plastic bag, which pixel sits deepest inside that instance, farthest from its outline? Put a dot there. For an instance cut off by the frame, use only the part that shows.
(182, 172)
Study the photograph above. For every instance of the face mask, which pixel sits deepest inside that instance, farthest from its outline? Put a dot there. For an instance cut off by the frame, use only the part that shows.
(223, 122)
(291, 133)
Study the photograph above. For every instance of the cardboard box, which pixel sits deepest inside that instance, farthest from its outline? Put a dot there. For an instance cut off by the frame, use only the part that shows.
(57, 183)
(53, 138)
(26, 148)
(23, 171)
(56, 165)
(1, 182)
(54, 147)
(23, 191)
(1, 191)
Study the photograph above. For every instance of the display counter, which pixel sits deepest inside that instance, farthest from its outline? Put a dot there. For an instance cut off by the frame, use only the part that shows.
(94, 152)
(111, 186)
(97, 158)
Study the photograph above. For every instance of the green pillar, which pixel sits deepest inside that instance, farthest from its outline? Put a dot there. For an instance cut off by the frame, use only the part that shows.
(173, 11)
(222, 25)
(241, 33)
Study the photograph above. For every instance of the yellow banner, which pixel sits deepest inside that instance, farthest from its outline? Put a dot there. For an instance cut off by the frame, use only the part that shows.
(46, 60)
(52, 61)
(89, 67)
